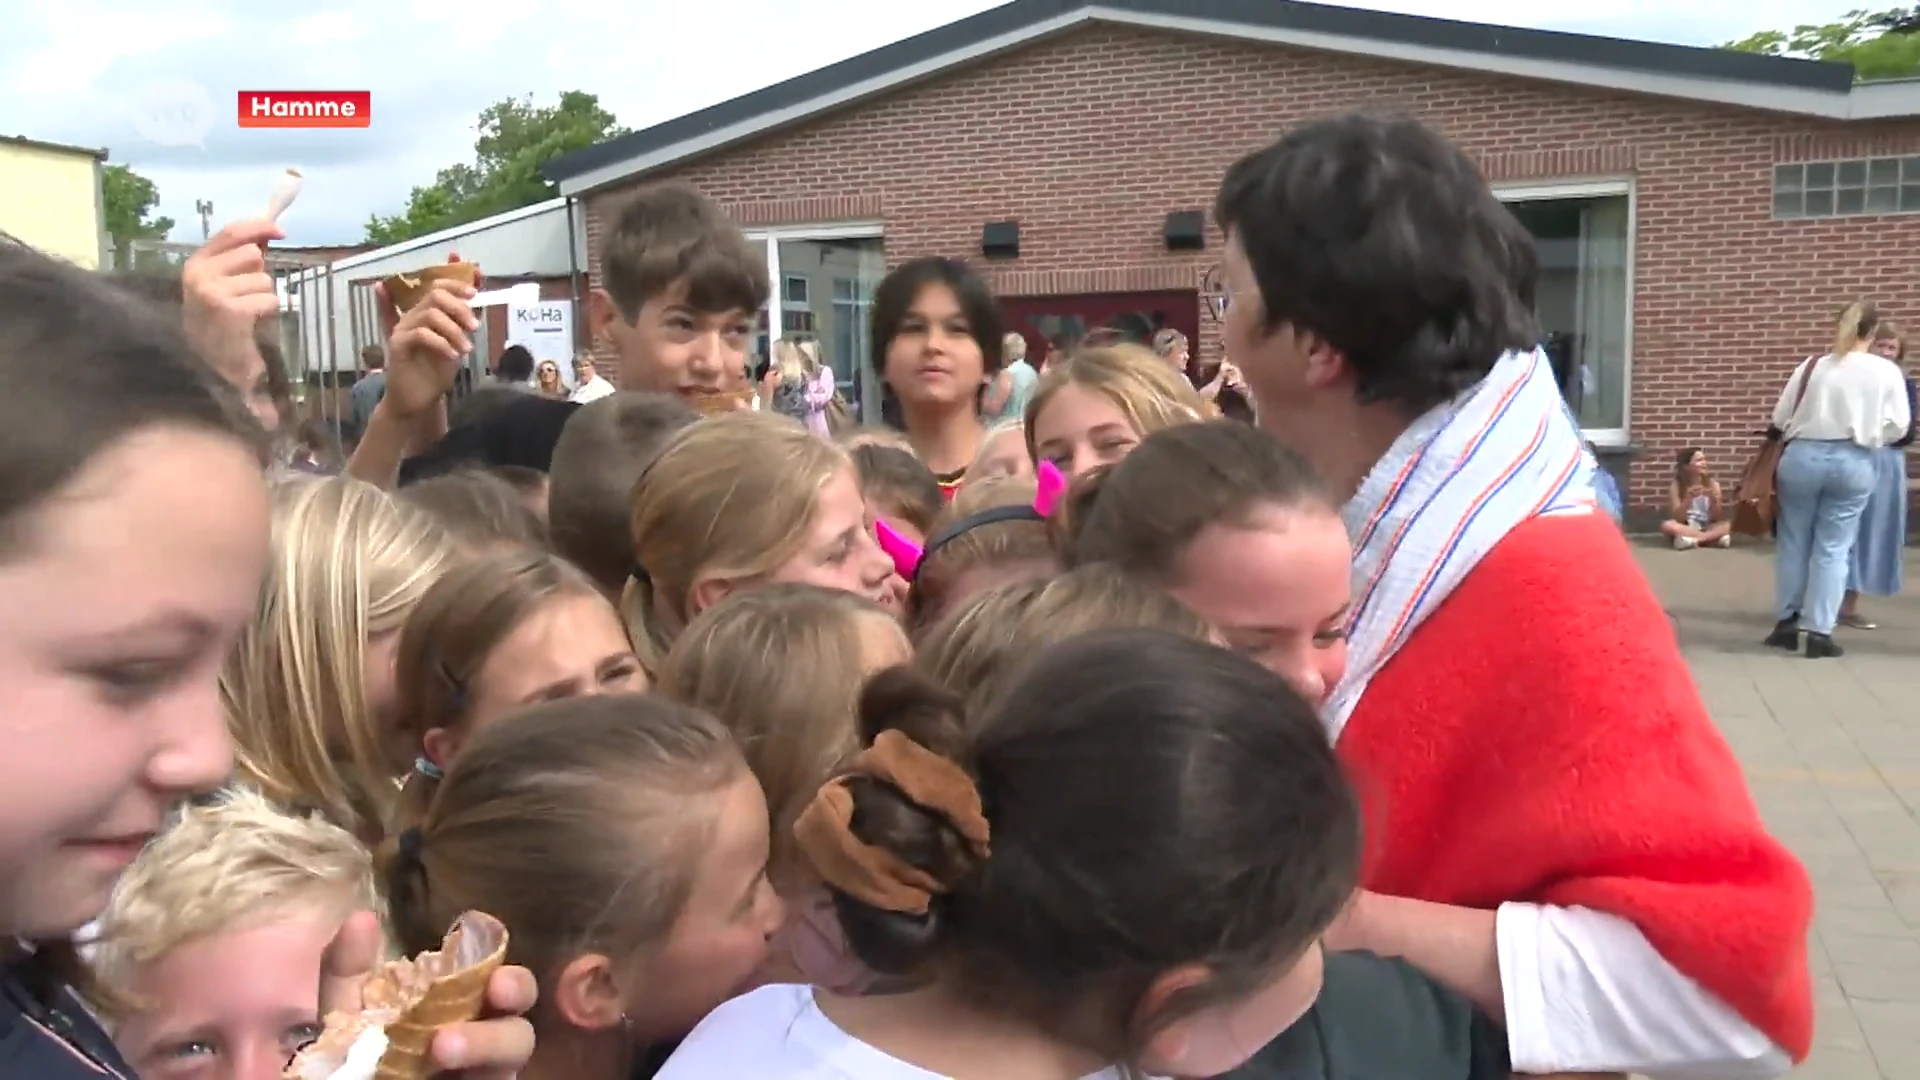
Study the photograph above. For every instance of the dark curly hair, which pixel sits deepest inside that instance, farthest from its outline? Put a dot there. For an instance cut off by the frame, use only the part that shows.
(1381, 237)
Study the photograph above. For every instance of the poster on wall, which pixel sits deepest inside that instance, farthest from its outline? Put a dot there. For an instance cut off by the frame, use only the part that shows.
(546, 330)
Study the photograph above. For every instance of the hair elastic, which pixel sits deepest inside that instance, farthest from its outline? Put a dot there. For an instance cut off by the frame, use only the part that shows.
(407, 846)
(427, 768)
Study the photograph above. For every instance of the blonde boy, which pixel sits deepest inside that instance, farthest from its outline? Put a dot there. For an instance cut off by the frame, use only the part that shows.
(208, 956)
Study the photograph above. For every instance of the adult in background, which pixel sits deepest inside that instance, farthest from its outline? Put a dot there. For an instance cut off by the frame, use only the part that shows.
(1879, 552)
(1557, 829)
(587, 383)
(1835, 412)
(370, 388)
(1007, 398)
(514, 369)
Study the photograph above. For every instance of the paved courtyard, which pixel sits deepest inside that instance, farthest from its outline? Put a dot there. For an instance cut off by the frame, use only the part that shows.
(1832, 750)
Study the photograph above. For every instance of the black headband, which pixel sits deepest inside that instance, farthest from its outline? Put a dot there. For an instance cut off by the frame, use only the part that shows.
(990, 516)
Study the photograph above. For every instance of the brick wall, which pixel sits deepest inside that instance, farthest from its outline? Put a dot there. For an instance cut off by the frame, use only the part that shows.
(1090, 139)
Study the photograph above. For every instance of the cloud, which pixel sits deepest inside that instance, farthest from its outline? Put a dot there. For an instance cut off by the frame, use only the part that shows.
(98, 73)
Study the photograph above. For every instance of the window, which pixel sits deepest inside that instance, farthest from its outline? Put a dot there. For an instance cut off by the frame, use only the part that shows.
(1584, 298)
(847, 260)
(1844, 188)
(793, 292)
(852, 300)
(796, 322)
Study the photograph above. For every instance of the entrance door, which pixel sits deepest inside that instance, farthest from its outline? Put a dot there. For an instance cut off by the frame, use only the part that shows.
(1046, 321)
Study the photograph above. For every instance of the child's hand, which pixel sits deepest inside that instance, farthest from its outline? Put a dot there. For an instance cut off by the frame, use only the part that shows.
(227, 291)
(496, 1048)
(427, 346)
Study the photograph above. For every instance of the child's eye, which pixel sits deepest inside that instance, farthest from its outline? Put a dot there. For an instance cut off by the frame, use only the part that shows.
(190, 1048)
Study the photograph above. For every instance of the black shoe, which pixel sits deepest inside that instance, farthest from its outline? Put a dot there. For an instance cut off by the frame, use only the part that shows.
(1821, 645)
(1786, 634)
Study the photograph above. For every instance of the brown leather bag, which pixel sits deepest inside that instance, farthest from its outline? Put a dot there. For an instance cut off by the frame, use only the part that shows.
(1757, 502)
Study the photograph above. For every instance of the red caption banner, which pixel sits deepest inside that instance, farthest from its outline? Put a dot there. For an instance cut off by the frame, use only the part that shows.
(306, 109)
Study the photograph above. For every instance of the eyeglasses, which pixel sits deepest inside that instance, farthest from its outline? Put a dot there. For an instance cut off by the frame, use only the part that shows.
(1218, 300)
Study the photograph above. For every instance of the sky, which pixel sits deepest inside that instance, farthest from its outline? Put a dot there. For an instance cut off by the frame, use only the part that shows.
(156, 81)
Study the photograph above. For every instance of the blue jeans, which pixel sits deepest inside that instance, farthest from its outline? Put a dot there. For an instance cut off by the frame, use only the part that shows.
(1823, 485)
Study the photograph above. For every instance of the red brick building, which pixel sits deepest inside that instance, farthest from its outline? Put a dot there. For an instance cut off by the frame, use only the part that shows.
(1702, 215)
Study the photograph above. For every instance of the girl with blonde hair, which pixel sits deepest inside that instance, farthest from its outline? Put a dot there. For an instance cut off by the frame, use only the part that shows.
(493, 636)
(1096, 405)
(799, 385)
(1835, 412)
(782, 668)
(1003, 455)
(737, 502)
(308, 689)
(990, 534)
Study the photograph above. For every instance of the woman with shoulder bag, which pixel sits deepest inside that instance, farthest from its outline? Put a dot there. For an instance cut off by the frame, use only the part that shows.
(1835, 412)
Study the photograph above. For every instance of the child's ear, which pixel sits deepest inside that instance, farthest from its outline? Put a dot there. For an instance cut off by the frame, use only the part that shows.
(602, 313)
(440, 744)
(706, 593)
(586, 995)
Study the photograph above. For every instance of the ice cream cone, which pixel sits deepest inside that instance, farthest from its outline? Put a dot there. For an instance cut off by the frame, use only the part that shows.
(718, 402)
(404, 291)
(409, 1000)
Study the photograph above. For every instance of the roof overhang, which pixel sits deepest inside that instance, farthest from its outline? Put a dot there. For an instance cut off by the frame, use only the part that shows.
(1794, 87)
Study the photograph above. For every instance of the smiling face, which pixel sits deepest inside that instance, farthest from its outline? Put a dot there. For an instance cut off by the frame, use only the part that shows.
(233, 1005)
(116, 611)
(840, 550)
(673, 348)
(1079, 429)
(933, 360)
(1278, 590)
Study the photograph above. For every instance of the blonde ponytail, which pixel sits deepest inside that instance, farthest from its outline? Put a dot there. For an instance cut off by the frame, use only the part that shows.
(1856, 327)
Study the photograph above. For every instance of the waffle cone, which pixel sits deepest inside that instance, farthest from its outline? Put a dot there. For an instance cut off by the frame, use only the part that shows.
(719, 402)
(412, 999)
(405, 291)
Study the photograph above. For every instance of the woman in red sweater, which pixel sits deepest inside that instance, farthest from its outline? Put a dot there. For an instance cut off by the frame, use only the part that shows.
(1558, 830)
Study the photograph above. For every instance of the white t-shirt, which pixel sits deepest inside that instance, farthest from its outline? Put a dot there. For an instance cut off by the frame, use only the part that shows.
(778, 1033)
(592, 390)
(1859, 398)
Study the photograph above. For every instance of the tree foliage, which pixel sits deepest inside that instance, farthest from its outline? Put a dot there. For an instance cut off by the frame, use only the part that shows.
(516, 139)
(129, 199)
(1879, 44)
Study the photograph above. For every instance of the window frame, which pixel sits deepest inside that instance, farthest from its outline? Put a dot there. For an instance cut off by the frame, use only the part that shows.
(1599, 188)
(1906, 176)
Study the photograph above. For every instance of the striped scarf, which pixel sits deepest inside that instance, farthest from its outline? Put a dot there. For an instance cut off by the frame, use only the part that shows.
(1451, 487)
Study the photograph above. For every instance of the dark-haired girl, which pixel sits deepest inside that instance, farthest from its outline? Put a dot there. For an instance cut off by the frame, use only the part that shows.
(1126, 866)
(135, 526)
(937, 341)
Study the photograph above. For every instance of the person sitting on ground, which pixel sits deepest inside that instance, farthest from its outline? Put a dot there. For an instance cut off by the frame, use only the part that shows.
(1695, 505)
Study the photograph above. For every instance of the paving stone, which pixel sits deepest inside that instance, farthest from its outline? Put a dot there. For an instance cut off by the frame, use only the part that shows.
(1831, 749)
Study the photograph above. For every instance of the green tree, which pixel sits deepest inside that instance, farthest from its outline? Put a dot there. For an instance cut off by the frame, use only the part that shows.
(517, 138)
(1879, 44)
(129, 200)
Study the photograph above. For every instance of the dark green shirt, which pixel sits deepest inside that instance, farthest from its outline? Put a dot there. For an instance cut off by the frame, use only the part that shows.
(1379, 1019)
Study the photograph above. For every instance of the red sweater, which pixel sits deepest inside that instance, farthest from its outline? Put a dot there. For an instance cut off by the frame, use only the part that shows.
(1539, 739)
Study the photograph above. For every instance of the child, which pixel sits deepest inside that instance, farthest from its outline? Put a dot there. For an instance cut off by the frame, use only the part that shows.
(737, 502)
(981, 643)
(1097, 404)
(680, 287)
(494, 636)
(604, 449)
(1060, 877)
(782, 668)
(234, 885)
(990, 534)
(898, 489)
(1695, 505)
(623, 842)
(1237, 527)
(309, 688)
(936, 344)
(1003, 455)
(482, 511)
(868, 435)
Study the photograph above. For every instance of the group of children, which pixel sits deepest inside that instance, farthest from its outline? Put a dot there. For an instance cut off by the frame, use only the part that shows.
(961, 750)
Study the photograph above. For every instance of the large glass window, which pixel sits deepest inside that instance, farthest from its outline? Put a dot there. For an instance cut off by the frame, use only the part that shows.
(1583, 299)
(825, 293)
